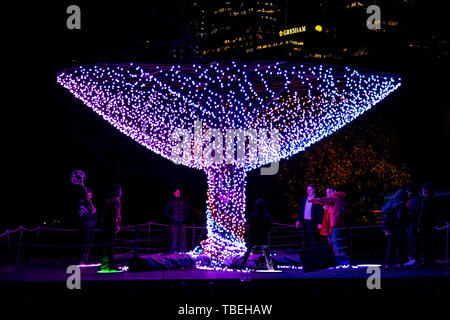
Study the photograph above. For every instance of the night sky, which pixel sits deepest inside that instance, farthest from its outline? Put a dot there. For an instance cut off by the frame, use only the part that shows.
(47, 133)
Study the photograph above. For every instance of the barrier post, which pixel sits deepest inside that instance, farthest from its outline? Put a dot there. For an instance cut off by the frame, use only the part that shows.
(303, 238)
(37, 238)
(136, 244)
(149, 237)
(350, 235)
(20, 245)
(446, 246)
(193, 236)
(9, 248)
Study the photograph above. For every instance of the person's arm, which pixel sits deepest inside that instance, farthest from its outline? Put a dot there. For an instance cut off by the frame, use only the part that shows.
(168, 210)
(82, 210)
(301, 209)
(320, 217)
(414, 207)
(323, 201)
(118, 217)
(270, 224)
(423, 212)
(186, 210)
(94, 210)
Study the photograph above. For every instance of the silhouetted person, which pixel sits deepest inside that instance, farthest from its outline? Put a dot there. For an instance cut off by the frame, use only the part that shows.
(178, 210)
(393, 213)
(111, 225)
(309, 217)
(87, 218)
(413, 209)
(425, 223)
(259, 228)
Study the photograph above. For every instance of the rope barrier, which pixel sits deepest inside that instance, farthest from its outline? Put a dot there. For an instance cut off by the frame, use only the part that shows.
(142, 240)
(279, 237)
(57, 229)
(54, 245)
(283, 231)
(5, 233)
(133, 228)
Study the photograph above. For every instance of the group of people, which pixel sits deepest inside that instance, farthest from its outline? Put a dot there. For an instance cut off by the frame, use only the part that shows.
(316, 216)
(110, 222)
(322, 216)
(177, 210)
(406, 213)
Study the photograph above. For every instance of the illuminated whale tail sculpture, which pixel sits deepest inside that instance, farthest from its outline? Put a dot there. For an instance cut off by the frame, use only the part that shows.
(227, 119)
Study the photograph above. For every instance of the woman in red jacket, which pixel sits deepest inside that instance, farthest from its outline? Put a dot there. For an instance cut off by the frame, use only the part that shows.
(325, 229)
(333, 221)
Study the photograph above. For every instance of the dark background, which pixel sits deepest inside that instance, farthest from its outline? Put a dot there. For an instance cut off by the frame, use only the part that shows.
(47, 133)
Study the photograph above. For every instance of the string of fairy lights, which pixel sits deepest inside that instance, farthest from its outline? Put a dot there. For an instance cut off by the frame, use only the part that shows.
(225, 213)
(163, 107)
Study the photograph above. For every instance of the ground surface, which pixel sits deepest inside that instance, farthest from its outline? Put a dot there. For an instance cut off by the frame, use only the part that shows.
(43, 283)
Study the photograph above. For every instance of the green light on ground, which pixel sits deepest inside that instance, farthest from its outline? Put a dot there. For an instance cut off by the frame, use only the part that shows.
(109, 271)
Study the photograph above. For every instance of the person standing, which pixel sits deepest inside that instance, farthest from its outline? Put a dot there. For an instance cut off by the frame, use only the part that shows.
(111, 225)
(87, 218)
(393, 212)
(178, 210)
(335, 208)
(326, 226)
(425, 223)
(309, 217)
(413, 210)
(260, 226)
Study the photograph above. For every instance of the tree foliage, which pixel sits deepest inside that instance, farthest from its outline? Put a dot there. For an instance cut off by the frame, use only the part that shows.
(361, 159)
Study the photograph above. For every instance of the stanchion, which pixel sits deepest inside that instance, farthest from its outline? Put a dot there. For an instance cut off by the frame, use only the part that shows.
(37, 238)
(303, 238)
(9, 248)
(446, 253)
(20, 245)
(350, 240)
(136, 244)
(149, 237)
(193, 236)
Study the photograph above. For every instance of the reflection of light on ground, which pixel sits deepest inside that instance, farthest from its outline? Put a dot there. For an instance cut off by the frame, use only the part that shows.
(289, 267)
(347, 266)
(82, 265)
(209, 268)
(368, 265)
(109, 271)
(280, 267)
